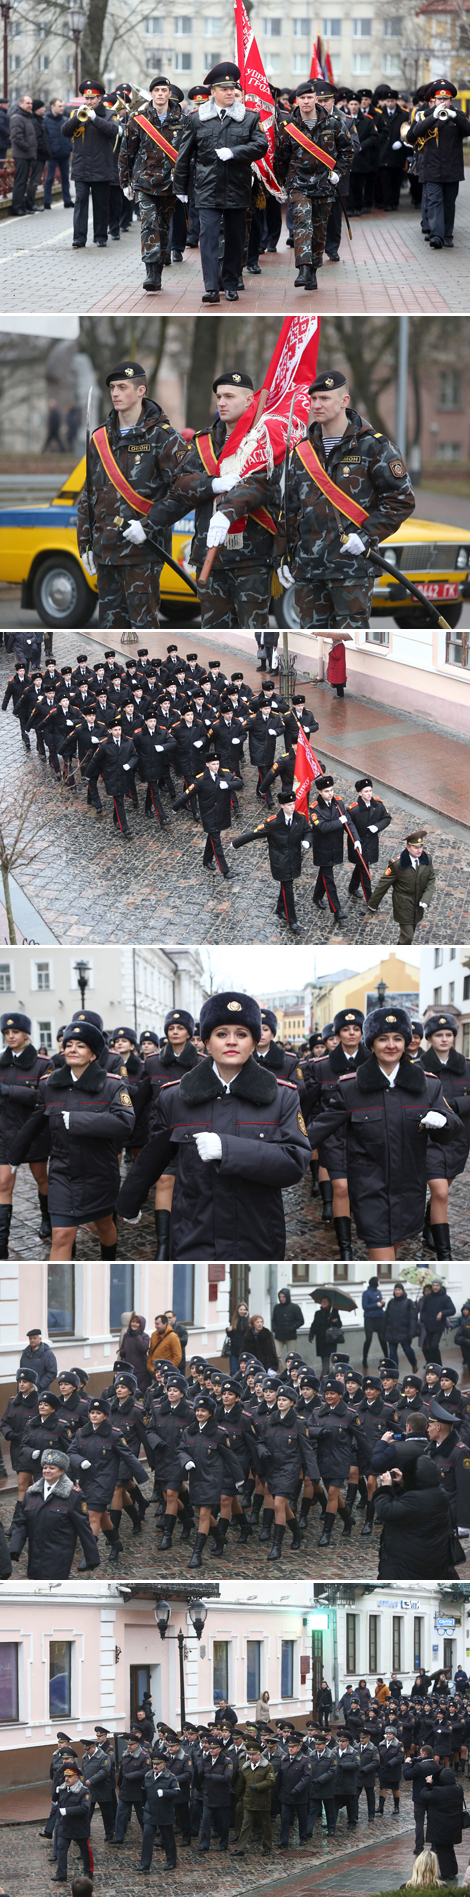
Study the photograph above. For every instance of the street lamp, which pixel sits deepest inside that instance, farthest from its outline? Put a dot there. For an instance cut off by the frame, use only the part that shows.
(76, 22)
(381, 992)
(6, 10)
(82, 970)
(198, 1616)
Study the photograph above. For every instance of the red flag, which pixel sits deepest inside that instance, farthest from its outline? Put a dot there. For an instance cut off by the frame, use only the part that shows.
(307, 768)
(315, 69)
(320, 55)
(258, 96)
(329, 69)
(259, 439)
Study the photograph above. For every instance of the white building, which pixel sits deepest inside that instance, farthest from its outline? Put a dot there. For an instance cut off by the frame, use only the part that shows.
(445, 983)
(135, 986)
(78, 1307)
(376, 1630)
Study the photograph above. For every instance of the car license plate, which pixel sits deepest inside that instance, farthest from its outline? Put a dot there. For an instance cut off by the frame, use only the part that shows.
(440, 589)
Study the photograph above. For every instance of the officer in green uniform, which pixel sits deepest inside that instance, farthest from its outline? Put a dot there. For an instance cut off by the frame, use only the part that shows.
(412, 881)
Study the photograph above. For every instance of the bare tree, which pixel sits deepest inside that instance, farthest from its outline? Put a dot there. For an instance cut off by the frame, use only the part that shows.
(22, 837)
(117, 337)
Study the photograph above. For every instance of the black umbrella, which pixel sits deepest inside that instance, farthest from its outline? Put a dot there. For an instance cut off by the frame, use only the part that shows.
(341, 1299)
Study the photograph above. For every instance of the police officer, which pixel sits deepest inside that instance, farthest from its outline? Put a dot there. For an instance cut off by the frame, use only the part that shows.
(89, 1113)
(21, 1069)
(96, 1768)
(445, 1164)
(213, 787)
(74, 1802)
(287, 835)
(160, 1788)
(370, 817)
(412, 882)
(21, 1410)
(131, 462)
(51, 1516)
(221, 140)
(98, 1451)
(329, 819)
(348, 490)
(146, 168)
(135, 1764)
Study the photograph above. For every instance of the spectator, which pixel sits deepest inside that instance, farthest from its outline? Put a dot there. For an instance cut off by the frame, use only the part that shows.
(53, 428)
(462, 1335)
(59, 155)
(43, 150)
(324, 1706)
(444, 1805)
(396, 1687)
(401, 1325)
(236, 1332)
(433, 1308)
(261, 1342)
(382, 1692)
(374, 1312)
(415, 1513)
(164, 1343)
(134, 1348)
(325, 1331)
(5, 135)
(363, 1696)
(425, 1872)
(24, 149)
(287, 1319)
(72, 419)
(460, 1680)
(41, 1358)
(181, 1332)
(262, 1710)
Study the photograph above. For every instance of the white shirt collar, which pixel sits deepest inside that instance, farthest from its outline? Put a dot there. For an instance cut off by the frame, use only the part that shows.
(224, 1083)
(49, 1488)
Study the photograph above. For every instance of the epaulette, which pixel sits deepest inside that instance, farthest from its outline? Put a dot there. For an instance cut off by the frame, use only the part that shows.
(288, 1083)
(378, 437)
(169, 1083)
(347, 1076)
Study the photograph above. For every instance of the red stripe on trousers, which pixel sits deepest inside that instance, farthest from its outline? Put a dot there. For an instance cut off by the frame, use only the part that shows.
(332, 906)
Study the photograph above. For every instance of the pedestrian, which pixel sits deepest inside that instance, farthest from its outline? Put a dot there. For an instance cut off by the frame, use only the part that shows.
(53, 436)
(262, 1709)
(416, 1518)
(89, 1115)
(164, 1342)
(324, 1705)
(134, 1348)
(373, 1305)
(43, 149)
(21, 1069)
(58, 160)
(412, 881)
(24, 152)
(325, 1331)
(419, 1770)
(444, 1803)
(93, 138)
(220, 142)
(261, 1341)
(39, 1357)
(236, 1332)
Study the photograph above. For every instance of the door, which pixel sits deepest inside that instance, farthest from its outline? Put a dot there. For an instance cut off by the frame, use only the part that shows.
(317, 1667)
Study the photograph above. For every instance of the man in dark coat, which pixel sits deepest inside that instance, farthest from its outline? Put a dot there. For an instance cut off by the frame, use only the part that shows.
(116, 756)
(391, 1758)
(294, 1791)
(92, 163)
(370, 817)
(450, 1458)
(50, 1517)
(412, 881)
(416, 1518)
(347, 1777)
(419, 1770)
(135, 1763)
(364, 163)
(329, 820)
(220, 143)
(286, 835)
(74, 1803)
(287, 1319)
(369, 1761)
(444, 1803)
(323, 1779)
(59, 154)
(438, 131)
(388, 118)
(214, 1777)
(146, 167)
(160, 1788)
(39, 1357)
(96, 1768)
(213, 788)
(23, 146)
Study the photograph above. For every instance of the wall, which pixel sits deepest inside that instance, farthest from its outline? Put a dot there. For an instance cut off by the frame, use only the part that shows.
(126, 985)
(23, 1302)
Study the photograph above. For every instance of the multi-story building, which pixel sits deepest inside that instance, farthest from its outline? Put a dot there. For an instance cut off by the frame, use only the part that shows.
(79, 1306)
(133, 985)
(445, 983)
(351, 988)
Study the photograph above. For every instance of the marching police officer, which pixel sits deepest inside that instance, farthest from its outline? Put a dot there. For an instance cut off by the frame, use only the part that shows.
(286, 835)
(74, 1802)
(222, 140)
(370, 817)
(51, 1516)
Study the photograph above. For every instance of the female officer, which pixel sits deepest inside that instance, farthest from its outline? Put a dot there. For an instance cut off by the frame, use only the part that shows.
(344, 1056)
(96, 1456)
(240, 1138)
(445, 1162)
(90, 1117)
(207, 1454)
(21, 1069)
(176, 1057)
(388, 1108)
(290, 1451)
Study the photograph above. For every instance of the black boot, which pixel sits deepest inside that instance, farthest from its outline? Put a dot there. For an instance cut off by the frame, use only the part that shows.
(350, 1495)
(108, 1251)
(311, 279)
(217, 1535)
(187, 1519)
(369, 1521)
(153, 279)
(142, 1505)
(296, 1534)
(343, 1234)
(134, 1517)
(162, 1228)
(115, 1546)
(256, 1509)
(381, 1807)
(168, 1531)
(300, 281)
(276, 1551)
(246, 1530)
(196, 1557)
(328, 1526)
(6, 1212)
(262, 665)
(347, 1521)
(45, 1229)
(314, 1172)
(362, 1492)
(305, 1511)
(441, 1236)
(326, 1190)
(268, 1518)
(428, 1239)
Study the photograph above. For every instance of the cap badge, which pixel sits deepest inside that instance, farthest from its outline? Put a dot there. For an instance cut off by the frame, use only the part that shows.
(235, 1007)
(128, 372)
(390, 1017)
(329, 384)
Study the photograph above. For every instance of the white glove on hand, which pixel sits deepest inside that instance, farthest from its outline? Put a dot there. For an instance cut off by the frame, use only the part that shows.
(422, 905)
(373, 829)
(198, 743)
(222, 483)
(126, 767)
(284, 574)
(66, 1118)
(342, 818)
(182, 198)
(13, 1168)
(433, 1119)
(88, 562)
(135, 533)
(450, 112)
(63, 1810)
(334, 175)
(209, 1145)
(159, 747)
(35, 1453)
(133, 1221)
(223, 152)
(218, 530)
(91, 112)
(305, 843)
(396, 145)
(353, 544)
(357, 844)
(129, 191)
(159, 1794)
(85, 1465)
(190, 1465)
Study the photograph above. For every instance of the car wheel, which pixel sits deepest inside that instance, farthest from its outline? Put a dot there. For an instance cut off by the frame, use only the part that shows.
(284, 608)
(61, 596)
(452, 613)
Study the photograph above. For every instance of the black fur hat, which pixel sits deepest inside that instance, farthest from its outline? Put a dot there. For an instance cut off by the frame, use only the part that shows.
(387, 1017)
(232, 1009)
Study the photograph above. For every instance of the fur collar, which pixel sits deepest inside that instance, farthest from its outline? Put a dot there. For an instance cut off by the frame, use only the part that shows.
(91, 1081)
(189, 1057)
(339, 1062)
(456, 1064)
(25, 1060)
(209, 111)
(63, 1487)
(410, 1077)
(253, 1083)
(104, 1429)
(406, 863)
(274, 1059)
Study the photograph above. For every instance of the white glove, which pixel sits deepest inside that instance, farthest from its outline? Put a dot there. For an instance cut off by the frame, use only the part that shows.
(357, 844)
(222, 483)
(182, 198)
(85, 1465)
(239, 1485)
(133, 1221)
(129, 191)
(135, 533)
(284, 574)
(218, 530)
(209, 1145)
(159, 747)
(437, 112)
(334, 175)
(343, 819)
(12, 1168)
(223, 152)
(126, 767)
(272, 733)
(450, 112)
(353, 544)
(223, 786)
(422, 905)
(396, 144)
(198, 743)
(91, 112)
(88, 562)
(433, 1119)
(159, 1794)
(63, 1810)
(190, 1465)
(305, 843)
(373, 829)
(35, 1453)
(66, 1118)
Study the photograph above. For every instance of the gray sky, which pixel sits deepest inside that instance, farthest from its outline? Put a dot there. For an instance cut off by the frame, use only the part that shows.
(274, 970)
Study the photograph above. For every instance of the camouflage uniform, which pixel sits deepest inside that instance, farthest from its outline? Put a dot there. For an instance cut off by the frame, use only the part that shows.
(332, 589)
(144, 165)
(308, 182)
(238, 590)
(128, 576)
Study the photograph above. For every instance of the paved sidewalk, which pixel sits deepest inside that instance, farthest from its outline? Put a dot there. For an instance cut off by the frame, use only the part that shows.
(386, 269)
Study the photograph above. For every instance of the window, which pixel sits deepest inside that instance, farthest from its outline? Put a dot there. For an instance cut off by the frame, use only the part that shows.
(61, 1299)
(273, 62)
(450, 451)
(340, 1271)
(5, 978)
(154, 26)
(60, 1667)
(300, 1271)
(212, 26)
(362, 29)
(438, 958)
(332, 29)
(140, 1683)
(437, 997)
(452, 954)
(41, 977)
(8, 1683)
(220, 1669)
(361, 63)
(183, 1292)
(391, 65)
(452, 991)
(384, 1268)
(183, 62)
(448, 1651)
(272, 29)
(183, 26)
(466, 1040)
(287, 1669)
(253, 1669)
(466, 987)
(14, 62)
(373, 1642)
(45, 1034)
(43, 62)
(396, 1644)
(450, 389)
(14, 30)
(457, 648)
(121, 1291)
(351, 1663)
(300, 29)
(417, 1644)
(392, 28)
(300, 64)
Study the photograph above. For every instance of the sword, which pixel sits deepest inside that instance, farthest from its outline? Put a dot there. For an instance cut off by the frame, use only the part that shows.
(437, 618)
(88, 469)
(350, 834)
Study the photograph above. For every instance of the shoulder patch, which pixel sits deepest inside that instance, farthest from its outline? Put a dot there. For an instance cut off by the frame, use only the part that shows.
(301, 1123)
(125, 1099)
(397, 468)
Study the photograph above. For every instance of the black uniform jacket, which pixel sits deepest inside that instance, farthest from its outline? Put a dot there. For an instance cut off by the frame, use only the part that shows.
(105, 1449)
(113, 762)
(389, 130)
(21, 1074)
(19, 1414)
(132, 1773)
(454, 1076)
(51, 1528)
(363, 815)
(213, 795)
(217, 1778)
(415, 1539)
(216, 1467)
(290, 1448)
(391, 1757)
(328, 830)
(369, 470)
(322, 1076)
(368, 1765)
(444, 1807)
(452, 1461)
(284, 842)
(220, 184)
(386, 1150)
(441, 157)
(54, 1434)
(160, 1789)
(245, 1438)
(264, 726)
(93, 144)
(96, 1767)
(230, 1207)
(165, 1429)
(142, 162)
(337, 1439)
(74, 1802)
(148, 458)
(295, 1780)
(84, 1168)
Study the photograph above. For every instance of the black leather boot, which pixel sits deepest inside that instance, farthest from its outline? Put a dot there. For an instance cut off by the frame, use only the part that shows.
(369, 1521)
(350, 1495)
(347, 1521)
(314, 1163)
(108, 1251)
(328, 1526)
(343, 1234)
(134, 1517)
(246, 1530)
(276, 1551)
(256, 1509)
(196, 1557)
(217, 1535)
(115, 1547)
(45, 1229)
(304, 1512)
(268, 1518)
(6, 1212)
(187, 1519)
(301, 280)
(162, 1228)
(326, 1190)
(296, 1534)
(441, 1236)
(153, 279)
(168, 1530)
(428, 1239)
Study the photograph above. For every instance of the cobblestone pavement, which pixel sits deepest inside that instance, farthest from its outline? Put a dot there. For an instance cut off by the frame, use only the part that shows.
(386, 268)
(89, 883)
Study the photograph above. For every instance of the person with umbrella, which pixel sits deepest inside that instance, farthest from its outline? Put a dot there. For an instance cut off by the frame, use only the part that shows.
(325, 1329)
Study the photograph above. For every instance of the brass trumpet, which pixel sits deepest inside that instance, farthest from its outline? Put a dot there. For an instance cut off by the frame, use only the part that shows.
(82, 114)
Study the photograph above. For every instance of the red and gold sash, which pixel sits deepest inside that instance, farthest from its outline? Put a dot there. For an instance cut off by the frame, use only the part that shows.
(332, 493)
(158, 139)
(118, 479)
(211, 463)
(308, 145)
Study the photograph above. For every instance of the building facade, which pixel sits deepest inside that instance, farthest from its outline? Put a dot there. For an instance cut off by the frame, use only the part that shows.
(375, 1630)
(351, 988)
(135, 985)
(445, 983)
(79, 1306)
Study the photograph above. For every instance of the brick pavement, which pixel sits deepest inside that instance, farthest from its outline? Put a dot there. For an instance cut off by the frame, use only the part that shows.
(88, 883)
(386, 269)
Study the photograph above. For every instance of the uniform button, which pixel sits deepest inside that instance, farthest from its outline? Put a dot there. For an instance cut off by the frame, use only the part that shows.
(261, 1136)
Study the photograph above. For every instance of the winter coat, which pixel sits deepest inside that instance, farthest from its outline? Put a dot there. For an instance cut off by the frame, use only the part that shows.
(216, 1469)
(43, 149)
(328, 830)
(84, 1166)
(158, 1068)
(131, 1071)
(285, 844)
(336, 1437)
(23, 135)
(38, 1436)
(213, 795)
(287, 1319)
(414, 1544)
(451, 1459)
(237, 1334)
(290, 1449)
(409, 887)
(368, 1764)
(323, 1773)
(15, 1422)
(441, 157)
(444, 1806)
(165, 1432)
(295, 1780)
(228, 740)
(389, 129)
(217, 1782)
(324, 1322)
(73, 1410)
(369, 469)
(218, 184)
(161, 1789)
(43, 1362)
(299, 170)
(92, 144)
(391, 1756)
(5, 134)
(264, 728)
(59, 146)
(51, 1529)
(336, 668)
(454, 1075)
(347, 1770)
(21, 1073)
(386, 1152)
(363, 816)
(279, 1062)
(96, 1768)
(433, 1308)
(261, 1345)
(134, 1349)
(192, 488)
(129, 1418)
(245, 1438)
(74, 1802)
(321, 1078)
(366, 159)
(258, 1781)
(232, 1209)
(104, 1449)
(133, 1772)
(143, 163)
(148, 458)
(166, 1344)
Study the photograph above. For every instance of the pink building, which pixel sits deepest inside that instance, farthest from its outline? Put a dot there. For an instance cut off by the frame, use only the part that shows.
(79, 1305)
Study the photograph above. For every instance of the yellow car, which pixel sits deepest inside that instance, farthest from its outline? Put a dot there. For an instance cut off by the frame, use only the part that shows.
(39, 552)
(433, 557)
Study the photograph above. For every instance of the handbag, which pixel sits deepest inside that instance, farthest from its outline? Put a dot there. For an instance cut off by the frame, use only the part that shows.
(465, 1816)
(457, 1555)
(334, 1335)
(226, 1350)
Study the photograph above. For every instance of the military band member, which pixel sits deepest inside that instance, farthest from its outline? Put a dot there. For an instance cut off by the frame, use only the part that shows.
(132, 460)
(93, 137)
(221, 140)
(313, 152)
(412, 881)
(146, 168)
